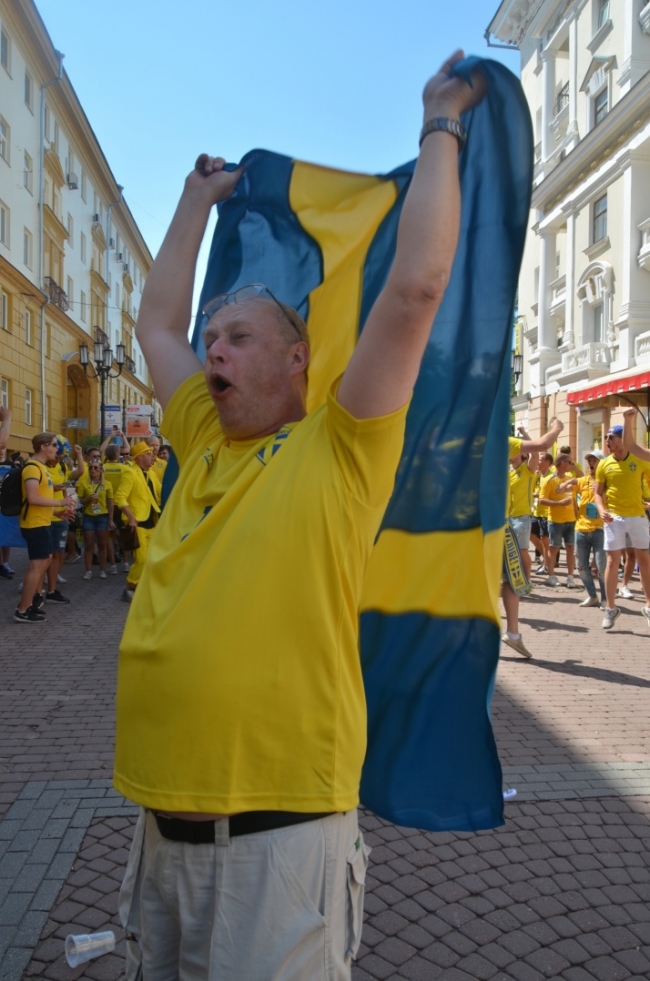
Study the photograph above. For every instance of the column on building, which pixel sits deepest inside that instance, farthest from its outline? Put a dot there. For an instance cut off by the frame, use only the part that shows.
(572, 128)
(568, 341)
(546, 336)
(548, 101)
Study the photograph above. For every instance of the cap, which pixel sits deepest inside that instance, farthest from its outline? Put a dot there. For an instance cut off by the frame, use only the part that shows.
(615, 431)
(138, 448)
(595, 452)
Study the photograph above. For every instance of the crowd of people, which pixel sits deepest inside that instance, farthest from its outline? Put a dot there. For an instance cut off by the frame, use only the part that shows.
(100, 503)
(599, 516)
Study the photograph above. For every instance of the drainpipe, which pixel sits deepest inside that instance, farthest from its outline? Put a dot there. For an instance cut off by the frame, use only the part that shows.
(41, 205)
(108, 234)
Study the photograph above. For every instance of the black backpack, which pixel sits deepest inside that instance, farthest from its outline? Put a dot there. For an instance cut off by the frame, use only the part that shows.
(11, 494)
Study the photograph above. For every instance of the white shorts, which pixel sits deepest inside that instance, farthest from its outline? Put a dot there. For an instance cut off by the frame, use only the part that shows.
(284, 904)
(626, 533)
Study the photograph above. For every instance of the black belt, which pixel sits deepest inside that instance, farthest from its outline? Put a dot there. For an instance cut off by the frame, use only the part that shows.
(247, 823)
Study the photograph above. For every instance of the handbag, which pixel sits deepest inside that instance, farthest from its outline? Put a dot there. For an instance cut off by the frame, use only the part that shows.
(129, 540)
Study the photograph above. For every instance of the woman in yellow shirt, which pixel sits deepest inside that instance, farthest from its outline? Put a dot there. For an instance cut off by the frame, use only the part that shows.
(96, 496)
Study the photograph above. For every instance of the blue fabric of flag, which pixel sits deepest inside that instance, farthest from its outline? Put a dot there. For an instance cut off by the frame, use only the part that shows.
(323, 241)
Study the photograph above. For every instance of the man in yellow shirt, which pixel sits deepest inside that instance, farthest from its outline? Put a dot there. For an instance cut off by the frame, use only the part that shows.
(589, 529)
(61, 474)
(241, 718)
(539, 524)
(159, 465)
(138, 497)
(562, 519)
(619, 499)
(35, 520)
(522, 479)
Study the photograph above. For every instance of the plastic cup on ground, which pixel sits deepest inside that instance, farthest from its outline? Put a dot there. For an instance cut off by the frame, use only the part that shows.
(84, 947)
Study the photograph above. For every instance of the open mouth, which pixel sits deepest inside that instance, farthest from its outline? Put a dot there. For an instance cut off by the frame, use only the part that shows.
(220, 385)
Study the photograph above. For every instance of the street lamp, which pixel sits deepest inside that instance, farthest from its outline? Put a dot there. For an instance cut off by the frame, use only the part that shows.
(103, 358)
(517, 365)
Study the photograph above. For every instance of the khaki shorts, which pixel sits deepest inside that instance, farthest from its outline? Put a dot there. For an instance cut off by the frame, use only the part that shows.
(284, 904)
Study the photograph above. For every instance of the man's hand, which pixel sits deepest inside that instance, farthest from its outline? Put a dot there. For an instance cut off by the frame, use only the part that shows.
(211, 179)
(78, 452)
(5, 414)
(445, 96)
(629, 413)
(556, 425)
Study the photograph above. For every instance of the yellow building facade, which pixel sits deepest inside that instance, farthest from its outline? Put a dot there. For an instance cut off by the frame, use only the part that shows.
(72, 260)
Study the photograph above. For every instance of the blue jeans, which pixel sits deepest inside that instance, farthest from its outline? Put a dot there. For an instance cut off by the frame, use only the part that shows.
(585, 541)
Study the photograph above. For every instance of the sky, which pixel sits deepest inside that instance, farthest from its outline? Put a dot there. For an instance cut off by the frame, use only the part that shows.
(337, 84)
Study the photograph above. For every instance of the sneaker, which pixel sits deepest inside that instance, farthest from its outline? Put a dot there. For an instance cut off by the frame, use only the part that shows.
(610, 616)
(126, 567)
(38, 601)
(88, 575)
(517, 644)
(127, 595)
(541, 570)
(60, 578)
(570, 582)
(646, 613)
(552, 581)
(5, 572)
(625, 592)
(56, 597)
(102, 575)
(30, 615)
(113, 570)
(73, 560)
(590, 601)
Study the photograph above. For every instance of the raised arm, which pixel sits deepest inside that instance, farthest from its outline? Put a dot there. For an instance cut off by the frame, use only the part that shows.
(533, 455)
(544, 442)
(628, 436)
(384, 366)
(166, 307)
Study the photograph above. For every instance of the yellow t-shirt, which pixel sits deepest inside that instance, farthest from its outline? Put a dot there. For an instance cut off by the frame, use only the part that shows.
(521, 490)
(514, 447)
(34, 516)
(623, 480)
(560, 513)
(59, 474)
(239, 680)
(113, 473)
(158, 467)
(588, 517)
(103, 490)
(541, 510)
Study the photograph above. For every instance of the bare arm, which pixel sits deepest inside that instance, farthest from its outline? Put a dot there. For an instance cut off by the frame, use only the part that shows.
(81, 466)
(599, 499)
(628, 436)
(166, 308)
(545, 441)
(31, 493)
(383, 369)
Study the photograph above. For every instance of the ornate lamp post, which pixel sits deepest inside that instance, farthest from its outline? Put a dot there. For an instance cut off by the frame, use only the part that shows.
(103, 358)
(517, 366)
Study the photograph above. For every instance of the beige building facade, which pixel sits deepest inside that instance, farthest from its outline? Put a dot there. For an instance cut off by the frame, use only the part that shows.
(72, 259)
(584, 291)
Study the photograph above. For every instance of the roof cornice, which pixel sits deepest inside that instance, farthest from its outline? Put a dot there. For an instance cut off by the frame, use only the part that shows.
(513, 19)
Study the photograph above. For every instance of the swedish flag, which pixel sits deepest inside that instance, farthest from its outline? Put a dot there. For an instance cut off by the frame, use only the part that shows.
(323, 241)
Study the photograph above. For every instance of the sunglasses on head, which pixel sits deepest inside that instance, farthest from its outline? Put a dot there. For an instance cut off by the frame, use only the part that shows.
(240, 296)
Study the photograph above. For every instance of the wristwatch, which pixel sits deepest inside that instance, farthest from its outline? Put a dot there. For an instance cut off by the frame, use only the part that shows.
(452, 126)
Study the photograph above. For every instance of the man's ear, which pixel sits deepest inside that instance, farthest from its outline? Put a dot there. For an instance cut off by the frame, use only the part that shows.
(300, 358)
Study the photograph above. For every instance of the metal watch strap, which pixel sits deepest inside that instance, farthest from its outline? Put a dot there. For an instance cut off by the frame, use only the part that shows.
(448, 125)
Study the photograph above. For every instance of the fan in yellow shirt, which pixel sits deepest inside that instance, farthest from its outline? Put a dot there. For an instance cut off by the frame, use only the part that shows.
(539, 524)
(159, 465)
(589, 528)
(562, 519)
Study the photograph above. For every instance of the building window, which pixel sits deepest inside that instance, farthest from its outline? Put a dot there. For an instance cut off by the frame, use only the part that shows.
(4, 224)
(28, 327)
(83, 247)
(5, 314)
(601, 106)
(600, 219)
(5, 51)
(28, 173)
(84, 185)
(4, 393)
(47, 123)
(28, 248)
(70, 162)
(28, 406)
(598, 323)
(70, 231)
(70, 290)
(29, 92)
(83, 307)
(5, 139)
(603, 12)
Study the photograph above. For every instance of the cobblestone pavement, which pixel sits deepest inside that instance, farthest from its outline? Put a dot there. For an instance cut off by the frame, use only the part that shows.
(561, 891)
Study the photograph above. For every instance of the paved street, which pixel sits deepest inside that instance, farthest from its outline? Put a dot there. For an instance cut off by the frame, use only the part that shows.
(561, 891)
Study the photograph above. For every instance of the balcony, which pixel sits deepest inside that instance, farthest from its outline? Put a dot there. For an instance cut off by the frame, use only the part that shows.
(643, 257)
(589, 361)
(57, 294)
(129, 364)
(558, 295)
(562, 100)
(642, 348)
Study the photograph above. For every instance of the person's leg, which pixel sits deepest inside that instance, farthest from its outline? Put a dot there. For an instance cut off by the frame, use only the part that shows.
(32, 583)
(89, 543)
(553, 553)
(102, 542)
(600, 558)
(511, 606)
(5, 569)
(139, 558)
(110, 545)
(611, 577)
(583, 548)
(643, 558)
(630, 563)
(570, 560)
